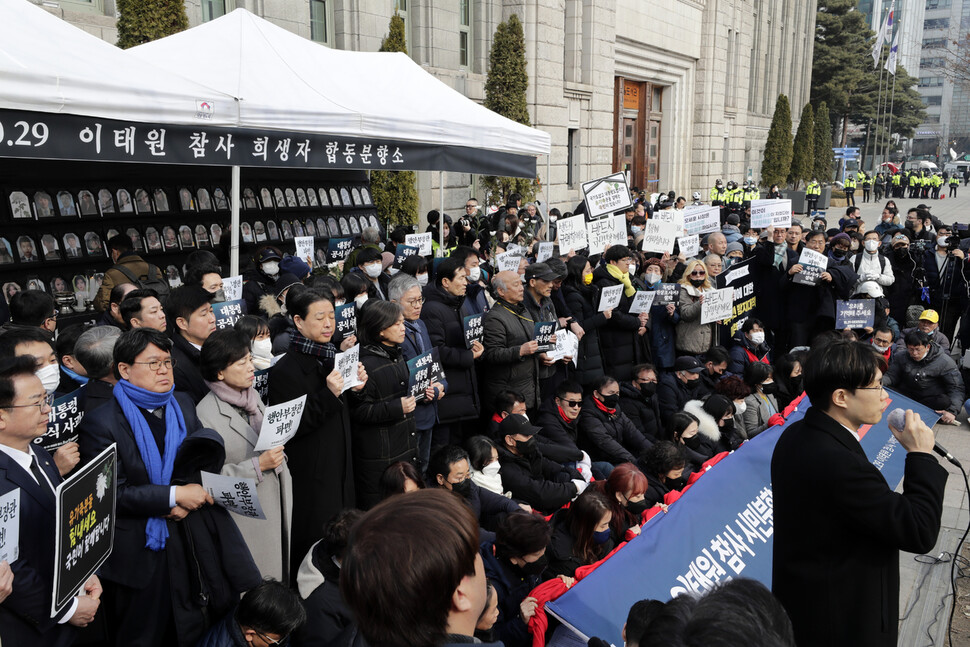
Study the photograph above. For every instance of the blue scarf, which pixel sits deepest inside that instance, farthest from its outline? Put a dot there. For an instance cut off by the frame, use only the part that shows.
(80, 379)
(159, 468)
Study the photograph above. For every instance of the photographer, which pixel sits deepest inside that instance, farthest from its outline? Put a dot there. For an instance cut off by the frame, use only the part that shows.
(945, 269)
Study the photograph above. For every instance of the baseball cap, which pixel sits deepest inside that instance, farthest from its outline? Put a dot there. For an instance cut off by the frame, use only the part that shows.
(267, 254)
(851, 222)
(930, 315)
(689, 364)
(900, 238)
(515, 424)
(285, 280)
(540, 271)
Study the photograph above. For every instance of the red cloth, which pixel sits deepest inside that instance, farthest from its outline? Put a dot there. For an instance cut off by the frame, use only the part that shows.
(792, 405)
(497, 418)
(548, 591)
(603, 407)
(563, 415)
(755, 359)
(775, 420)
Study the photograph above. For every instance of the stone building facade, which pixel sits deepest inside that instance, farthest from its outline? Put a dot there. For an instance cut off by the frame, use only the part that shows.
(677, 92)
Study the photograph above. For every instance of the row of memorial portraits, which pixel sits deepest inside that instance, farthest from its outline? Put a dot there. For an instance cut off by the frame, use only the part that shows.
(150, 201)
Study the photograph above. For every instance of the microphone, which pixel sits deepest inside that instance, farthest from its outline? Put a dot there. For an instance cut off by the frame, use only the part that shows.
(897, 420)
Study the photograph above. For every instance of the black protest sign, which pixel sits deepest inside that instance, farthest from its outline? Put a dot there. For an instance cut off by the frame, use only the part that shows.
(474, 330)
(228, 313)
(346, 319)
(338, 248)
(402, 252)
(667, 293)
(262, 384)
(85, 525)
(855, 313)
(810, 275)
(423, 371)
(543, 332)
(739, 277)
(62, 421)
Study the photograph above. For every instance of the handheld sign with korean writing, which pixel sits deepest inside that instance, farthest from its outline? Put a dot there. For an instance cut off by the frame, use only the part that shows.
(642, 302)
(610, 297)
(346, 362)
(473, 329)
(542, 333)
(673, 216)
(507, 262)
(10, 526)
(228, 313)
(345, 319)
(402, 253)
(718, 305)
(667, 293)
(855, 313)
(234, 493)
(233, 286)
(421, 241)
(689, 245)
(607, 195)
(423, 371)
(85, 524)
(280, 423)
(62, 422)
(605, 232)
(659, 236)
(572, 234)
(567, 345)
(813, 264)
(261, 384)
(770, 213)
(544, 252)
(338, 249)
(702, 219)
(304, 247)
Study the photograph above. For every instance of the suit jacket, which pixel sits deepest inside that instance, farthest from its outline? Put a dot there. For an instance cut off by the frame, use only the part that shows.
(25, 616)
(836, 559)
(187, 376)
(130, 563)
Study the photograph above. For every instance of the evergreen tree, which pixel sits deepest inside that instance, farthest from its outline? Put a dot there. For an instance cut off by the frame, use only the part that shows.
(778, 148)
(394, 192)
(823, 144)
(803, 152)
(505, 94)
(141, 21)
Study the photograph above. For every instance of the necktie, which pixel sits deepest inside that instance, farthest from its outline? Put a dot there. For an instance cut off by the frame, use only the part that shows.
(39, 475)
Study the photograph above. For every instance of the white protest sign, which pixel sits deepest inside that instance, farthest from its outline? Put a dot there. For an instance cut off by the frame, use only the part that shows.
(507, 262)
(544, 253)
(304, 248)
(619, 230)
(518, 250)
(770, 213)
(280, 423)
(607, 195)
(659, 236)
(234, 493)
(421, 241)
(602, 233)
(642, 301)
(610, 297)
(346, 362)
(10, 526)
(233, 287)
(702, 219)
(567, 345)
(675, 216)
(572, 234)
(718, 305)
(689, 245)
(813, 258)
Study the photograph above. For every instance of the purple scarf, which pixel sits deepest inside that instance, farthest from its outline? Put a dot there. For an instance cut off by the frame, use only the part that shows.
(247, 400)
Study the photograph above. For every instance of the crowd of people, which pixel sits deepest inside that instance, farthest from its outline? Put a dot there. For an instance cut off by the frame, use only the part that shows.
(533, 465)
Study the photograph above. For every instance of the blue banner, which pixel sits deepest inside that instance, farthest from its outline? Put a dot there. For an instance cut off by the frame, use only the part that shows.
(721, 528)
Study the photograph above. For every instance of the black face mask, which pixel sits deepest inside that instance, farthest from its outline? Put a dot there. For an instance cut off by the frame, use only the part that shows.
(900, 251)
(693, 384)
(697, 282)
(693, 442)
(534, 568)
(526, 447)
(796, 384)
(728, 425)
(770, 388)
(637, 508)
(610, 401)
(464, 488)
(838, 253)
(648, 389)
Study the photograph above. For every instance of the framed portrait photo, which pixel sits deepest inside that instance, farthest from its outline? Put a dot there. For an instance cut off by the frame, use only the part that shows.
(324, 200)
(6, 252)
(92, 245)
(153, 240)
(311, 196)
(143, 202)
(124, 201)
(220, 200)
(301, 198)
(272, 231)
(106, 202)
(161, 201)
(186, 240)
(9, 289)
(19, 206)
(27, 250)
(87, 204)
(43, 205)
(355, 194)
(185, 199)
(170, 239)
(51, 250)
(259, 231)
(246, 232)
(60, 285)
(204, 201)
(65, 204)
(278, 196)
(266, 198)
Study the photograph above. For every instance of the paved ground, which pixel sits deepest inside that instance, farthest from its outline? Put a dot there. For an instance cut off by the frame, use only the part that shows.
(948, 210)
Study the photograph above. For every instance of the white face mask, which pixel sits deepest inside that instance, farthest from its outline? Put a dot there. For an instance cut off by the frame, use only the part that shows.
(393, 271)
(339, 302)
(492, 469)
(373, 270)
(652, 278)
(740, 407)
(270, 268)
(758, 337)
(263, 348)
(360, 300)
(872, 245)
(50, 377)
(422, 279)
(635, 230)
(475, 274)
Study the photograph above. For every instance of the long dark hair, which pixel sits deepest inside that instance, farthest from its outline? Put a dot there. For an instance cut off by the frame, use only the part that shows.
(584, 515)
(574, 275)
(375, 316)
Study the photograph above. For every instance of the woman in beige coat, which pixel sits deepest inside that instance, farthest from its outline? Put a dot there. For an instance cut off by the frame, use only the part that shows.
(693, 337)
(233, 409)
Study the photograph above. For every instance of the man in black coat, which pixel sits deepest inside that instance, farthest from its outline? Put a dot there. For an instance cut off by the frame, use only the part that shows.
(638, 400)
(25, 616)
(95, 351)
(189, 312)
(773, 259)
(605, 433)
(679, 386)
(836, 566)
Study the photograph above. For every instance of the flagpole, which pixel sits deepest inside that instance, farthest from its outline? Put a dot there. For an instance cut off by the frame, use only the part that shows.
(889, 131)
(875, 143)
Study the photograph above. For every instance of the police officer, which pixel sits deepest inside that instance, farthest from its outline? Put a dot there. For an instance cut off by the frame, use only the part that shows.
(954, 183)
(717, 194)
(866, 187)
(812, 193)
(849, 187)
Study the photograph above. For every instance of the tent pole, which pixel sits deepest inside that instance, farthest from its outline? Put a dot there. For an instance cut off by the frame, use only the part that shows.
(441, 213)
(234, 226)
(548, 197)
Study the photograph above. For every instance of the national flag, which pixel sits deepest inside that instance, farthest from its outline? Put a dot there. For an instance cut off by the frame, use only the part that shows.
(893, 51)
(884, 34)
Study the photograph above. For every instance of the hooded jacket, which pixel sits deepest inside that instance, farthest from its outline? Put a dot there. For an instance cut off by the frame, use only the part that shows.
(609, 437)
(538, 481)
(507, 326)
(715, 438)
(934, 375)
(581, 302)
(743, 349)
(672, 395)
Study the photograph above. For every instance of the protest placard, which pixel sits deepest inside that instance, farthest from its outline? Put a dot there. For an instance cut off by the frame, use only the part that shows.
(543, 332)
(607, 195)
(345, 319)
(718, 305)
(702, 219)
(813, 264)
(740, 278)
(228, 313)
(346, 362)
(63, 421)
(474, 330)
(642, 302)
(10, 526)
(234, 493)
(304, 248)
(423, 371)
(262, 384)
(567, 345)
(338, 248)
(667, 293)
(85, 524)
(855, 313)
(673, 216)
(602, 233)
(421, 241)
(402, 252)
(610, 297)
(507, 262)
(544, 252)
(518, 250)
(232, 286)
(280, 423)
(659, 236)
(770, 213)
(689, 246)
(572, 234)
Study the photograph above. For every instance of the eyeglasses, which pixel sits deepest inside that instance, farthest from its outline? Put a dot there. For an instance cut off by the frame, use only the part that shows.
(155, 364)
(270, 641)
(48, 401)
(471, 206)
(871, 388)
(572, 403)
(414, 303)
